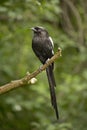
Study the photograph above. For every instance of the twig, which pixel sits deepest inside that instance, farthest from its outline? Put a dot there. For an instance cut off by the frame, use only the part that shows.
(21, 82)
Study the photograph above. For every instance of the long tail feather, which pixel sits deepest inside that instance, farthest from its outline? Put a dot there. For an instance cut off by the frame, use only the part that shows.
(52, 85)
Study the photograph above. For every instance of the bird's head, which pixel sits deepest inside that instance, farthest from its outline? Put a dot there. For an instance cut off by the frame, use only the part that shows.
(40, 31)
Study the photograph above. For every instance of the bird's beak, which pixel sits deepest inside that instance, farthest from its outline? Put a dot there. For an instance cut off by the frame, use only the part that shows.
(33, 29)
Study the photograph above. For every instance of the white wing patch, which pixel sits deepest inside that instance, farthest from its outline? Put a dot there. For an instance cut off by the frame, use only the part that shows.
(52, 52)
(51, 41)
(52, 44)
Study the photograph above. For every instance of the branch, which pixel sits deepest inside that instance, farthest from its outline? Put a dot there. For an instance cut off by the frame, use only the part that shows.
(25, 80)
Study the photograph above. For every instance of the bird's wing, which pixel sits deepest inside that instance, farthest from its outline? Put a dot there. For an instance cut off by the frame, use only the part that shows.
(51, 41)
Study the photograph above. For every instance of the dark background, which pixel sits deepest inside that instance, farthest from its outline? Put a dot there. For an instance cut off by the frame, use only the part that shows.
(29, 107)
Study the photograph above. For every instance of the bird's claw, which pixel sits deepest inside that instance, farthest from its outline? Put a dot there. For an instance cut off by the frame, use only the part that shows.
(47, 61)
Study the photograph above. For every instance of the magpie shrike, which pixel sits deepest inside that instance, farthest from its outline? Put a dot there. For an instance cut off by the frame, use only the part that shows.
(42, 45)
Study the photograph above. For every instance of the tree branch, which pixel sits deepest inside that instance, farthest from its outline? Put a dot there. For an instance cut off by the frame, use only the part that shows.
(25, 80)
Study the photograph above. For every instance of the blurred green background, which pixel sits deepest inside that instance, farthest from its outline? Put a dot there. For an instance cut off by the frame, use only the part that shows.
(29, 107)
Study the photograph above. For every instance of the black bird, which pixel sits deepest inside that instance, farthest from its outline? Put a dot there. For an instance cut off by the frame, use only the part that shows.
(42, 45)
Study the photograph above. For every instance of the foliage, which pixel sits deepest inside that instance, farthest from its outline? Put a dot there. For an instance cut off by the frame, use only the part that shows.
(29, 107)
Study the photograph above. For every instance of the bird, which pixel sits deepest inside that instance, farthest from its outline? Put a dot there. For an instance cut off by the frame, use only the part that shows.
(42, 45)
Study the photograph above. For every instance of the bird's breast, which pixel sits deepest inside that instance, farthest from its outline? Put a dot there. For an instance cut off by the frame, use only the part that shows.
(38, 43)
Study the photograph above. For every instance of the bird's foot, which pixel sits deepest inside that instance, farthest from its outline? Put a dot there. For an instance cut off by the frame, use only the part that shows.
(47, 61)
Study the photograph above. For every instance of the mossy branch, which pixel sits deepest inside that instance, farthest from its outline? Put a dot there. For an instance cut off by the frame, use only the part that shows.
(25, 80)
